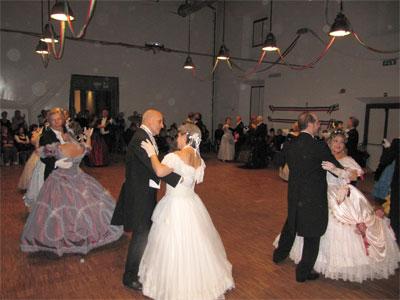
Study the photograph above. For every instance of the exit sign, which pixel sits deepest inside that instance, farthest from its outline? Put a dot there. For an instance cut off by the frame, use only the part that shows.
(389, 62)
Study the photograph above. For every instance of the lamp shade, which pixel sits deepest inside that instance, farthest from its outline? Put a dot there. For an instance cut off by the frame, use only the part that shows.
(270, 43)
(42, 48)
(61, 11)
(49, 34)
(189, 65)
(223, 53)
(341, 26)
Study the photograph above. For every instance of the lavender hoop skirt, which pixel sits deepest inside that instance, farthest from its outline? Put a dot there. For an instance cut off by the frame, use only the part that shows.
(72, 215)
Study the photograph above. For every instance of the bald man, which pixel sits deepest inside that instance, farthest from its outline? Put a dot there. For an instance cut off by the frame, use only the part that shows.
(137, 198)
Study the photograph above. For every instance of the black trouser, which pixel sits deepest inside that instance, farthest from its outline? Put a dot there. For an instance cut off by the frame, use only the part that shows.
(238, 146)
(109, 142)
(310, 251)
(135, 252)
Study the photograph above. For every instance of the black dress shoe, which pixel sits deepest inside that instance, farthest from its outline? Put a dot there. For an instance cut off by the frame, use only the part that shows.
(311, 276)
(276, 258)
(134, 285)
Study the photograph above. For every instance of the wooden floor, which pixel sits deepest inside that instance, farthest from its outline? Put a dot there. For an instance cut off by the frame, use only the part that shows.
(248, 208)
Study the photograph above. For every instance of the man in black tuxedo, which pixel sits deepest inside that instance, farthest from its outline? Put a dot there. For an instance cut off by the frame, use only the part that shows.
(259, 145)
(137, 198)
(352, 140)
(239, 132)
(307, 195)
(55, 133)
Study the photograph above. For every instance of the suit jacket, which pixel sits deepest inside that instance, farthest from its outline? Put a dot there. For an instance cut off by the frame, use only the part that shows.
(48, 137)
(137, 199)
(239, 129)
(261, 133)
(307, 187)
(352, 142)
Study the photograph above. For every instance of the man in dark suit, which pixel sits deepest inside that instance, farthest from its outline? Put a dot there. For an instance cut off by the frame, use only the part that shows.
(137, 198)
(307, 195)
(259, 145)
(352, 140)
(54, 134)
(238, 133)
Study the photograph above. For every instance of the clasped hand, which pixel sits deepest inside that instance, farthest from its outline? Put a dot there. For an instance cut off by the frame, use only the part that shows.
(328, 166)
(63, 163)
(88, 132)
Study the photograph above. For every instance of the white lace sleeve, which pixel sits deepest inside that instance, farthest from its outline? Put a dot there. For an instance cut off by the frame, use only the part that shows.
(199, 176)
(350, 163)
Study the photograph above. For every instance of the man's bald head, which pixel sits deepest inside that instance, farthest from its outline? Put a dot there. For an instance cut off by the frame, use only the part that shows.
(153, 119)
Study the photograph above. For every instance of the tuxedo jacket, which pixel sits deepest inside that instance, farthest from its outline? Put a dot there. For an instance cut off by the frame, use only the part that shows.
(137, 199)
(48, 137)
(307, 186)
(239, 129)
(352, 142)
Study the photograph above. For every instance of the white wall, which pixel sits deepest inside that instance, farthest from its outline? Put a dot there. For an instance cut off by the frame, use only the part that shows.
(347, 65)
(159, 80)
(146, 80)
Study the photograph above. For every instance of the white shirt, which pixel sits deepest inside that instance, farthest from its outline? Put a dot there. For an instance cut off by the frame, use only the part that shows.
(150, 134)
(308, 133)
(103, 123)
(58, 135)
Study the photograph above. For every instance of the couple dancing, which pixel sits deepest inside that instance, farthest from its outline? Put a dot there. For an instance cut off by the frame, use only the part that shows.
(70, 210)
(175, 251)
(331, 227)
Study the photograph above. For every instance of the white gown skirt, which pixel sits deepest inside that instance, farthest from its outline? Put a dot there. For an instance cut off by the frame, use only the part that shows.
(184, 257)
(35, 184)
(343, 253)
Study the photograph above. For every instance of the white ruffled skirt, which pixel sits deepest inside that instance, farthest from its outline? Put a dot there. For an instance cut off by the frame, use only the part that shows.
(344, 253)
(35, 184)
(184, 257)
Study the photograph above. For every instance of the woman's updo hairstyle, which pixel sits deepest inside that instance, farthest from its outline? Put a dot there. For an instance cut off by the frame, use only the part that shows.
(335, 133)
(193, 134)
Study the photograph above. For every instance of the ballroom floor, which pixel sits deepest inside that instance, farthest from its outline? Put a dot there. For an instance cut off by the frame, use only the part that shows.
(248, 208)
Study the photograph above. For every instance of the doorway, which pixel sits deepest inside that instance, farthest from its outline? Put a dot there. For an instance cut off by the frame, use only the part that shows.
(94, 93)
(381, 121)
(257, 101)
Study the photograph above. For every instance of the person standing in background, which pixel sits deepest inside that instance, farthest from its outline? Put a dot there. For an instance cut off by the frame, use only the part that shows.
(238, 134)
(352, 140)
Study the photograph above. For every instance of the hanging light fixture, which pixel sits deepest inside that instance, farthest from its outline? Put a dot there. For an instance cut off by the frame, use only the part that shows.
(270, 40)
(341, 26)
(48, 34)
(189, 65)
(223, 53)
(42, 48)
(61, 11)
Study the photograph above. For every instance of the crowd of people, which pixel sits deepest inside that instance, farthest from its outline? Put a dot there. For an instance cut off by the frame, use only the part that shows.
(16, 144)
(256, 146)
(328, 219)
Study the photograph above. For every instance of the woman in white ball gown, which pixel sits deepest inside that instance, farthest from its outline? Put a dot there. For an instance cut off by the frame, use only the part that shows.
(359, 243)
(184, 257)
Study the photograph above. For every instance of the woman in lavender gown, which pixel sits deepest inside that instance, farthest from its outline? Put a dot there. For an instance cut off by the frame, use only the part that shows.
(73, 211)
